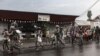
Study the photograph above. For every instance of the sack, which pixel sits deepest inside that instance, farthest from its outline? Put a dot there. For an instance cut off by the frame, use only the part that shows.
(18, 31)
(39, 39)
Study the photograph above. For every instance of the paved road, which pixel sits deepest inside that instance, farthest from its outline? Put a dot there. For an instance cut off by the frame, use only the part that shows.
(91, 49)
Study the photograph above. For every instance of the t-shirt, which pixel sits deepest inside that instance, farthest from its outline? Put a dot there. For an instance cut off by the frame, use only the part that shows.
(6, 34)
(12, 27)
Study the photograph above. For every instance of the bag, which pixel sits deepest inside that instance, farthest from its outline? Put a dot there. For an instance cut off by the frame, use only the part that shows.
(39, 39)
(18, 31)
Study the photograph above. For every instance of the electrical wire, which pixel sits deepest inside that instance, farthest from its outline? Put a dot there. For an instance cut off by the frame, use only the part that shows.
(89, 8)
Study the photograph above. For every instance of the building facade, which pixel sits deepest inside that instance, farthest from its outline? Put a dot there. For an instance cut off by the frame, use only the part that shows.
(26, 20)
(95, 22)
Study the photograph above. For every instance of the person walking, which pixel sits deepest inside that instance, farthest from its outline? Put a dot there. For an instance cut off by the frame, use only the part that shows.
(58, 35)
(97, 33)
(6, 34)
(72, 33)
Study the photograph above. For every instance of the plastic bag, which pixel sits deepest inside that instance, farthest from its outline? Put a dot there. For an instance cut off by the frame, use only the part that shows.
(39, 39)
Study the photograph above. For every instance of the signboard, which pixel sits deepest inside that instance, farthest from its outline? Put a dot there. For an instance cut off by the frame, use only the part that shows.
(43, 17)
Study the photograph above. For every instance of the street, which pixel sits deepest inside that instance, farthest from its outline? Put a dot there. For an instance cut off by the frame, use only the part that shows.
(90, 49)
(49, 28)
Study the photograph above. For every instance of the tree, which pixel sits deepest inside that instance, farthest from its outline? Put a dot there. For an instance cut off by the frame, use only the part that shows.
(89, 14)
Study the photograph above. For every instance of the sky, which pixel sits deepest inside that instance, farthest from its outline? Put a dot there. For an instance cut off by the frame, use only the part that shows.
(66, 7)
(95, 12)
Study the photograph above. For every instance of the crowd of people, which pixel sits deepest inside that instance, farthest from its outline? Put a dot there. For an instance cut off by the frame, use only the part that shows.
(11, 37)
(74, 33)
(85, 33)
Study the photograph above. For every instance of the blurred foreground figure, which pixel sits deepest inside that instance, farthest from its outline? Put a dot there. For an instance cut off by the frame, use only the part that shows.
(97, 32)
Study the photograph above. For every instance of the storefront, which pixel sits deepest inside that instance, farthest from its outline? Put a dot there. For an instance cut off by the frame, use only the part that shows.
(27, 20)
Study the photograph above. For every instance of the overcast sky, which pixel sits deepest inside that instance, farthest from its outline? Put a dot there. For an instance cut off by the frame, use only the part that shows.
(67, 7)
(95, 12)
